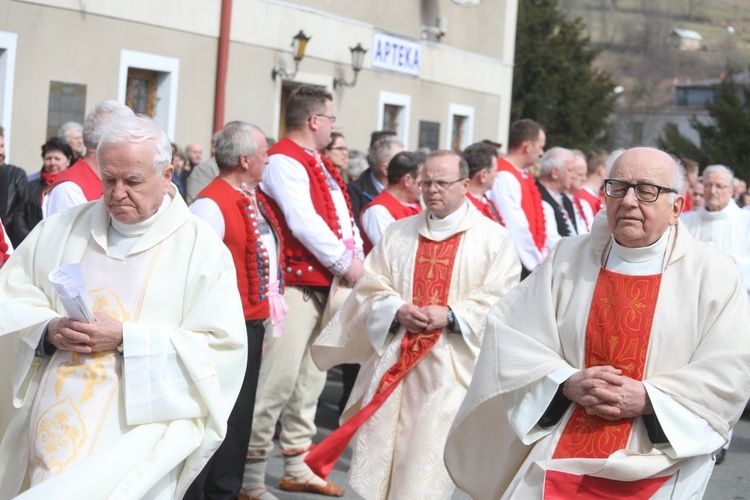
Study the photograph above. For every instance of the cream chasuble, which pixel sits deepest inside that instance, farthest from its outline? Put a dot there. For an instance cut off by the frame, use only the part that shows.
(398, 451)
(526, 356)
(136, 425)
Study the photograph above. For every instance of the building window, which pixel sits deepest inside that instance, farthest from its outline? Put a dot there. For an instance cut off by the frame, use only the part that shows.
(141, 95)
(67, 103)
(394, 115)
(8, 43)
(148, 85)
(460, 127)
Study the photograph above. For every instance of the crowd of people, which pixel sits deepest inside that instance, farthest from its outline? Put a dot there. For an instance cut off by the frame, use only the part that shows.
(539, 323)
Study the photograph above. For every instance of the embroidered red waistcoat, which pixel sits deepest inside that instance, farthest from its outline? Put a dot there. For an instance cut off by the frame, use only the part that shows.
(397, 210)
(302, 268)
(82, 175)
(594, 201)
(242, 237)
(531, 202)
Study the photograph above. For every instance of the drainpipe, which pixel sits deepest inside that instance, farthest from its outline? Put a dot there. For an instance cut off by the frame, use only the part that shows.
(222, 63)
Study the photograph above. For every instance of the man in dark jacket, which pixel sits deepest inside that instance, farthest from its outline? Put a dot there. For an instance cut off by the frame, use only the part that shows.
(12, 189)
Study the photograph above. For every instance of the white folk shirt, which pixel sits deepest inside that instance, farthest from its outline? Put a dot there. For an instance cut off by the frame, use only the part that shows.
(62, 197)
(506, 194)
(286, 181)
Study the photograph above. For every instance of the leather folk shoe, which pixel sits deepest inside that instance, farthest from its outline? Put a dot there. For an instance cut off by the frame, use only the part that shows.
(330, 489)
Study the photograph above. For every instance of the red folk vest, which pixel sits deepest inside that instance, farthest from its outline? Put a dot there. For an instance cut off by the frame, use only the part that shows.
(531, 202)
(302, 268)
(242, 237)
(594, 201)
(488, 209)
(82, 175)
(397, 210)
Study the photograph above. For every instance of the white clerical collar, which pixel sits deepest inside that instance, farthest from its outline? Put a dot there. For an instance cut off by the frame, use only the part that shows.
(718, 214)
(643, 254)
(443, 228)
(138, 228)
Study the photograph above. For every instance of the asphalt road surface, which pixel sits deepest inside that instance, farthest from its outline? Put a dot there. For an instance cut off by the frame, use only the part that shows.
(730, 480)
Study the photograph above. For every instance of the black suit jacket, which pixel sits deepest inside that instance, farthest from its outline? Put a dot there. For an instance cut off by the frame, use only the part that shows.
(361, 192)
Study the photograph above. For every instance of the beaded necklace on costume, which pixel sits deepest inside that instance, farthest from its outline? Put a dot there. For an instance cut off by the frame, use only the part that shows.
(258, 264)
(325, 183)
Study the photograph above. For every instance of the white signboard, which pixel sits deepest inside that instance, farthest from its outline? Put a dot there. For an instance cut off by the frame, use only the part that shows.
(396, 54)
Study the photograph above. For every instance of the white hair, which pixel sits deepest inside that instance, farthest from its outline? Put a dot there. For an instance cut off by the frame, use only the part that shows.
(553, 158)
(68, 126)
(677, 174)
(98, 119)
(135, 129)
(712, 169)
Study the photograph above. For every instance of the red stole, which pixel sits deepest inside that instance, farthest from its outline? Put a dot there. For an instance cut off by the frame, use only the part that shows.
(487, 207)
(618, 331)
(433, 268)
(594, 201)
(82, 175)
(397, 210)
(242, 238)
(303, 269)
(531, 202)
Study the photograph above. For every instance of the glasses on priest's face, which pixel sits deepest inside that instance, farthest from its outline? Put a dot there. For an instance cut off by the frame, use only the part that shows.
(440, 185)
(644, 192)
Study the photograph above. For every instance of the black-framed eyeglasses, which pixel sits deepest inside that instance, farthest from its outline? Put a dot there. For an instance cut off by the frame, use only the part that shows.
(441, 185)
(647, 193)
(340, 148)
(330, 117)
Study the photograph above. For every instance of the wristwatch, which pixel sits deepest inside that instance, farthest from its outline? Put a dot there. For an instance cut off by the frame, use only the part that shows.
(451, 319)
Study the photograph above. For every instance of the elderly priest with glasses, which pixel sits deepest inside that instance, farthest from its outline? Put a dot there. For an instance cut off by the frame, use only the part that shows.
(415, 323)
(619, 366)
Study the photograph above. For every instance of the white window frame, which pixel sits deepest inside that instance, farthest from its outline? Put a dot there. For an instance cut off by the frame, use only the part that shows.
(460, 110)
(168, 68)
(8, 44)
(394, 99)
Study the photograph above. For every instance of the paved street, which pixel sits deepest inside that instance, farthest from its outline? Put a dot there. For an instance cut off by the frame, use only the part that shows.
(730, 481)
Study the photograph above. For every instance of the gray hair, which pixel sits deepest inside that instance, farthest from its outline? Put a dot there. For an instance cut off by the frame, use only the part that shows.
(99, 118)
(677, 175)
(382, 151)
(553, 158)
(712, 169)
(357, 163)
(68, 126)
(233, 141)
(135, 129)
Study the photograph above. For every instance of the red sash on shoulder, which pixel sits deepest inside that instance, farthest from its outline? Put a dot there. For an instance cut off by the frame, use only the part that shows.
(617, 334)
(397, 210)
(433, 268)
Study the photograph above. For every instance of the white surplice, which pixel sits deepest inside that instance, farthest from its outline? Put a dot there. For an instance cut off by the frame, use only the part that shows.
(695, 374)
(168, 395)
(727, 229)
(398, 451)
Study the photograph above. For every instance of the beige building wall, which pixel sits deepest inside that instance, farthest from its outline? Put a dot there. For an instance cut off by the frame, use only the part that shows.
(84, 42)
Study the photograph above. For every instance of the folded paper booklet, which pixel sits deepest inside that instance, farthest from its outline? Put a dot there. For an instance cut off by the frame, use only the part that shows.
(68, 282)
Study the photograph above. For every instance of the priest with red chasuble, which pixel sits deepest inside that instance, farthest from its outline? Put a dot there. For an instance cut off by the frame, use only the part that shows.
(415, 323)
(620, 384)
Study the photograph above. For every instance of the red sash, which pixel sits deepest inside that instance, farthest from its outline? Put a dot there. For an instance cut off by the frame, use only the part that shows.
(433, 268)
(487, 207)
(617, 334)
(397, 210)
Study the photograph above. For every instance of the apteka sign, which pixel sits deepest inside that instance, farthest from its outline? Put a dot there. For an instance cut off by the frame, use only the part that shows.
(396, 54)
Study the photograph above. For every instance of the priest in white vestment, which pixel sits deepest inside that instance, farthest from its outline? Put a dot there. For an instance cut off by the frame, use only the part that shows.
(619, 366)
(434, 275)
(133, 404)
(720, 222)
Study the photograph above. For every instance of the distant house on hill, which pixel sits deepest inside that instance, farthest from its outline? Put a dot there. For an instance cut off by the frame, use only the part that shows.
(686, 39)
(697, 94)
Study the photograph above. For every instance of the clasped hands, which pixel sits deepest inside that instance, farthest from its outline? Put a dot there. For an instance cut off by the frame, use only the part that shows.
(603, 391)
(105, 334)
(422, 319)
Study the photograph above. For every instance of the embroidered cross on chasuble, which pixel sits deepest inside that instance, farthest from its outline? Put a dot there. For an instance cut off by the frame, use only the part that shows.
(617, 334)
(433, 268)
